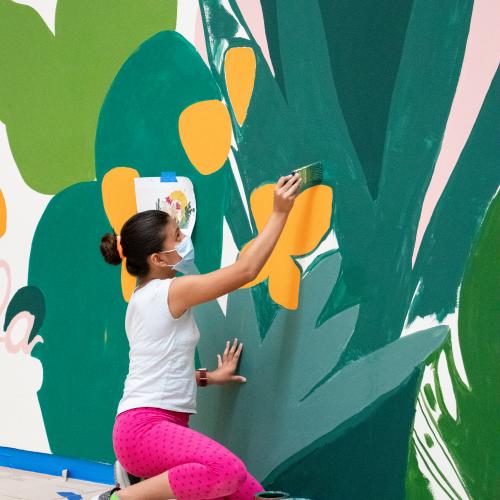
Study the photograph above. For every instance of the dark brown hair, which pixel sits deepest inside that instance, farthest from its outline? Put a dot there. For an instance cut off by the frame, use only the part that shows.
(142, 235)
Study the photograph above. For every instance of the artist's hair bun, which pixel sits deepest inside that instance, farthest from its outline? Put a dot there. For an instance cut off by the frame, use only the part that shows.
(109, 249)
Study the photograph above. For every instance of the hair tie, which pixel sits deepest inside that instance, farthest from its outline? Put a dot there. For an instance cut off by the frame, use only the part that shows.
(119, 246)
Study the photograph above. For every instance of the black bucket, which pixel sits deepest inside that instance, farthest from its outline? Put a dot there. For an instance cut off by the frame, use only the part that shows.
(271, 494)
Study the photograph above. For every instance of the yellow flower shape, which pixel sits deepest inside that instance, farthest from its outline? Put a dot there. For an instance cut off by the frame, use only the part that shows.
(3, 215)
(307, 223)
(205, 127)
(118, 197)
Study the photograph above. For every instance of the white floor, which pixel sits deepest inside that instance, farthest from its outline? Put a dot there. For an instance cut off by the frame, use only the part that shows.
(24, 485)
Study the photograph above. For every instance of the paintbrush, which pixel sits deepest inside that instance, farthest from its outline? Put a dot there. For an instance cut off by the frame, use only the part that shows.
(310, 175)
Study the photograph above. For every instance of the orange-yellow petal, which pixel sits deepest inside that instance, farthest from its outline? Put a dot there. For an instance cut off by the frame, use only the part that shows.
(205, 133)
(118, 195)
(239, 67)
(264, 272)
(308, 221)
(261, 204)
(128, 282)
(284, 283)
(3, 215)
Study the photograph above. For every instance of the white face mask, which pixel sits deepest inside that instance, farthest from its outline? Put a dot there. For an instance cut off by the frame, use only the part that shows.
(185, 250)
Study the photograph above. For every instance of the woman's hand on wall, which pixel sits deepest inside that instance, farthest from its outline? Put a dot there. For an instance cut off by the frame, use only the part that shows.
(227, 365)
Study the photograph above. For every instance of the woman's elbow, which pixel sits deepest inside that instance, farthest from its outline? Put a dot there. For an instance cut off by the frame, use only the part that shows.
(247, 272)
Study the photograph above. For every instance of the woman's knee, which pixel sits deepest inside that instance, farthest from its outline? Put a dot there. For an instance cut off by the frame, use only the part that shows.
(232, 474)
(240, 472)
(237, 474)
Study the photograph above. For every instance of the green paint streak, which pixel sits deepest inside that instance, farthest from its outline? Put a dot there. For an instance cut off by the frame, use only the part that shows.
(438, 476)
(428, 440)
(53, 86)
(430, 396)
(473, 439)
(431, 422)
(417, 485)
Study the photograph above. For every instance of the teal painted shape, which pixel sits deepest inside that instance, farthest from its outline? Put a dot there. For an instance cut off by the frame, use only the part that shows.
(139, 128)
(424, 89)
(365, 42)
(27, 298)
(83, 331)
(85, 350)
(267, 421)
(282, 133)
(459, 214)
(365, 458)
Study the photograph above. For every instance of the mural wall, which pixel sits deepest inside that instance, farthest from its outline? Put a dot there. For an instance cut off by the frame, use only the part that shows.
(371, 336)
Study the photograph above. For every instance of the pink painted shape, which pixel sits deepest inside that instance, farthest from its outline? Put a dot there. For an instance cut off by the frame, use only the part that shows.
(14, 347)
(30, 320)
(5, 266)
(199, 37)
(481, 59)
(251, 11)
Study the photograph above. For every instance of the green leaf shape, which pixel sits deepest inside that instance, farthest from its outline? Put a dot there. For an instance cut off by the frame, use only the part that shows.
(53, 86)
(417, 487)
(473, 438)
(425, 86)
(459, 214)
(139, 128)
(363, 458)
(286, 375)
(365, 42)
(27, 298)
(85, 350)
(281, 133)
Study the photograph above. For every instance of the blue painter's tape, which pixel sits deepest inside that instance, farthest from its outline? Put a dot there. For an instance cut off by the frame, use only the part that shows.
(45, 463)
(69, 495)
(168, 177)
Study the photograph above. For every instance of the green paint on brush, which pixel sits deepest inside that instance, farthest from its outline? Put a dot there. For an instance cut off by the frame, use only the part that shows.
(53, 86)
(310, 175)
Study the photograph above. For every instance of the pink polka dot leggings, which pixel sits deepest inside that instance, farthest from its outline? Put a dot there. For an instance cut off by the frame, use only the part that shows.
(149, 441)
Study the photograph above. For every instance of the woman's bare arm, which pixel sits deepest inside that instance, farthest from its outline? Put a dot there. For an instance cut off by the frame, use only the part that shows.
(188, 291)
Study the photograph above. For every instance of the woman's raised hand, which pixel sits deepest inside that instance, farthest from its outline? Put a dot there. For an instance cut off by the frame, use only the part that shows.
(287, 189)
(228, 363)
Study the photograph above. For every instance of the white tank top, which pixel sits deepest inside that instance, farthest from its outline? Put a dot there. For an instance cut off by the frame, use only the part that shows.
(162, 350)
